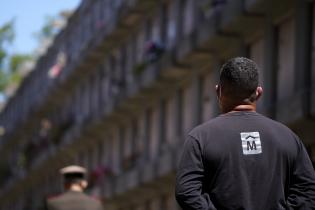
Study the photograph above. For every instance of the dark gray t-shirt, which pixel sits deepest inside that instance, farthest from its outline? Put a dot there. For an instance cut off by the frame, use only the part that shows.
(243, 160)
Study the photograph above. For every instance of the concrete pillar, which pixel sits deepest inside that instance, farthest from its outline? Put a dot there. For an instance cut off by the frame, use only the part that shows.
(174, 28)
(313, 64)
(134, 138)
(286, 99)
(162, 124)
(270, 63)
(189, 16)
(87, 102)
(303, 33)
(113, 147)
(154, 134)
(140, 144)
(109, 157)
(147, 131)
(197, 93)
(156, 28)
(170, 120)
(122, 143)
(140, 45)
(164, 18)
(78, 104)
(188, 115)
(128, 147)
(179, 112)
(96, 92)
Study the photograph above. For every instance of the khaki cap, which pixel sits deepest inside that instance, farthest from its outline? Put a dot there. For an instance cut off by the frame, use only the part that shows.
(72, 169)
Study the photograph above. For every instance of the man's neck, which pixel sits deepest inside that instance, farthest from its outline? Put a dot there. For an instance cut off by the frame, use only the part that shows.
(75, 188)
(227, 105)
(240, 108)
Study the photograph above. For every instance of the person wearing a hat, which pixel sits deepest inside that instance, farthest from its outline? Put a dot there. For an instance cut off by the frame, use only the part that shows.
(74, 197)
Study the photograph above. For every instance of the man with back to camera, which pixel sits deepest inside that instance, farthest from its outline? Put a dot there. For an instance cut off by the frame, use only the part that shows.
(241, 159)
(74, 198)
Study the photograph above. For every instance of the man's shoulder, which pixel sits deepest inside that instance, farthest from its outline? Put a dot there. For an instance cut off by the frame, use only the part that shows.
(53, 198)
(205, 128)
(68, 198)
(276, 125)
(93, 198)
(220, 124)
(212, 123)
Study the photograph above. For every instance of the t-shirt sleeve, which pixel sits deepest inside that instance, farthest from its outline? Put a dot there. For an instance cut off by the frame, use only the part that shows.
(302, 181)
(189, 178)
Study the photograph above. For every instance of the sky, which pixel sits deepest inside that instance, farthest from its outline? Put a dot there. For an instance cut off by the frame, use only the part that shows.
(29, 16)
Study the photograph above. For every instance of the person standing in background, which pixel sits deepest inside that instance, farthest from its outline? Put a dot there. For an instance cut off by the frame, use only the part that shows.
(74, 197)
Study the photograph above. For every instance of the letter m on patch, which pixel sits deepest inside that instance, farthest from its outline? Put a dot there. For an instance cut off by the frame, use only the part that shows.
(251, 143)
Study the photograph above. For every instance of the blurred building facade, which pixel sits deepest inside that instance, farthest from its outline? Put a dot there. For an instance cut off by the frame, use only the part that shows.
(125, 80)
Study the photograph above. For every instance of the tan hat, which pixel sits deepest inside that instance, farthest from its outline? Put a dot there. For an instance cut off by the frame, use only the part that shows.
(73, 169)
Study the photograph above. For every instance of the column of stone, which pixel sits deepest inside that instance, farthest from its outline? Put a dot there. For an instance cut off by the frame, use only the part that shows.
(94, 10)
(179, 109)
(100, 93)
(197, 93)
(147, 132)
(154, 133)
(188, 114)
(179, 19)
(164, 18)
(77, 104)
(173, 29)
(270, 64)
(128, 146)
(162, 125)
(87, 103)
(116, 152)
(76, 41)
(141, 140)
(105, 86)
(312, 76)
(134, 140)
(96, 92)
(285, 72)
(189, 16)
(140, 41)
(122, 148)
(303, 40)
(170, 117)
(130, 61)
(156, 28)
(80, 102)
(87, 21)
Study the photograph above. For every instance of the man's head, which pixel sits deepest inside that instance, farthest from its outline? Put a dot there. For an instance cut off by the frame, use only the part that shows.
(238, 83)
(74, 177)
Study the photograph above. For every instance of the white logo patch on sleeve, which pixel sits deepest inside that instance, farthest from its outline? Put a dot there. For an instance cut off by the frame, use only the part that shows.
(251, 143)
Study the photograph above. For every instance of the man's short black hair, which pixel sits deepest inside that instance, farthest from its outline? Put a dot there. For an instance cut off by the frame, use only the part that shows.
(239, 79)
(73, 177)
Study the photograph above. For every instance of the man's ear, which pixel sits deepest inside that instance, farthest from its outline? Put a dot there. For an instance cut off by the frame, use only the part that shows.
(217, 90)
(259, 92)
(84, 184)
